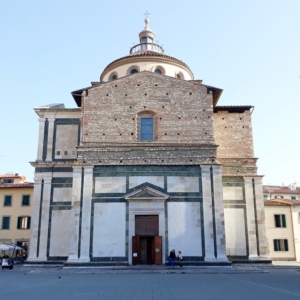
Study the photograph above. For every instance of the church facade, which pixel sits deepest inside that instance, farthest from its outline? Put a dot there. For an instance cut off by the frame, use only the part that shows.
(147, 163)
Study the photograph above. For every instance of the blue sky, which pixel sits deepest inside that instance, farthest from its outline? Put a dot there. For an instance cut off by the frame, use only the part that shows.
(250, 49)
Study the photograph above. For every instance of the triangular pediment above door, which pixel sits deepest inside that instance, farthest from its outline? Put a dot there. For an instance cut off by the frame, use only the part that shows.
(146, 193)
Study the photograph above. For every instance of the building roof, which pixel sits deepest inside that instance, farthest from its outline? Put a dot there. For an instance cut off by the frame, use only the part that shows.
(10, 175)
(233, 108)
(16, 185)
(277, 189)
(19, 181)
(145, 55)
(281, 202)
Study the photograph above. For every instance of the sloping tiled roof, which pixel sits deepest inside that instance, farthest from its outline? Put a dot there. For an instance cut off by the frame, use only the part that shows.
(233, 108)
(281, 202)
(16, 185)
(10, 176)
(276, 189)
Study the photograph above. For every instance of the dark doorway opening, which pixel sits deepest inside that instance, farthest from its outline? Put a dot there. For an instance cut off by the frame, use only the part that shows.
(146, 244)
(147, 250)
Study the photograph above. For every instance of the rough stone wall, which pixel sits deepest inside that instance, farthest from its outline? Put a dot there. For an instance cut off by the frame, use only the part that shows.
(183, 122)
(233, 135)
(182, 110)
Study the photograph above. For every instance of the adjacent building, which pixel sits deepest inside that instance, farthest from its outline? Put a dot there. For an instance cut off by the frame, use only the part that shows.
(283, 229)
(146, 163)
(15, 213)
(291, 192)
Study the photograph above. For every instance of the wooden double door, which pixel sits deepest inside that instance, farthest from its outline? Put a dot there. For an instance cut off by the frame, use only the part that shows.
(146, 244)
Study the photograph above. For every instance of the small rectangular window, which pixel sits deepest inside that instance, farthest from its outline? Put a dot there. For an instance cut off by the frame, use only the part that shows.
(146, 129)
(293, 197)
(24, 222)
(5, 222)
(25, 200)
(281, 245)
(7, 200)
(280, 221)
(6, 180)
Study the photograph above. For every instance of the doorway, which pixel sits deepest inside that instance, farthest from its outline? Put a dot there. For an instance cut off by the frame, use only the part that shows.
(146, 244)
(146, 250)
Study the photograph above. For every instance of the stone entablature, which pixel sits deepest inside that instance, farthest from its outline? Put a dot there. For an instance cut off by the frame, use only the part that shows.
(147, 154)
(239, 166)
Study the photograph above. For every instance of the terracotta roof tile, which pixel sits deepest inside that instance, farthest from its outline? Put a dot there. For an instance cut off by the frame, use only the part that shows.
(10, 176)
(281, 202)
(275, 189)
(16, 185)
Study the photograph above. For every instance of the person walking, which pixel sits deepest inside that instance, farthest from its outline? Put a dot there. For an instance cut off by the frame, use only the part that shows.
(179, 256)
(172, 258)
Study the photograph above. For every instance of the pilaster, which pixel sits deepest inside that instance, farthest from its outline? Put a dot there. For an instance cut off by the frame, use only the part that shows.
(41, 139)
(251, 219)
(75, 214)
(260, 208)
(219, 213)
(44, 221)
(50, 138)
(86, 214)
(34, 233)
(209, 254)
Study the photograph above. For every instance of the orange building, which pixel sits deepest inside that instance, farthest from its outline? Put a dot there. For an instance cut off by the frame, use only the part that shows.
(15, 214)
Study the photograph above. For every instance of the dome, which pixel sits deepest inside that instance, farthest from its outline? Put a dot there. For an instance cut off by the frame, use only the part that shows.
(146, 56)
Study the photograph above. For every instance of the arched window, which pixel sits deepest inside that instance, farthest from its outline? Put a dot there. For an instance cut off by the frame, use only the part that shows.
(179, 75)
(113, 76)
(133, 70)
(159, 70)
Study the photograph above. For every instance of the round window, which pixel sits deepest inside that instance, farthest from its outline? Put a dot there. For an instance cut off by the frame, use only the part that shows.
(113, 76)
(179, 75)
(133, 71)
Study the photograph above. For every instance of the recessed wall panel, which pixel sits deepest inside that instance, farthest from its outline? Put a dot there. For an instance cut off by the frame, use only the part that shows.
(109, 229)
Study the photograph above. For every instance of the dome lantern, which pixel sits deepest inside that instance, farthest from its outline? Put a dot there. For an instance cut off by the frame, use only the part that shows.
(146, 41)
(146, 56)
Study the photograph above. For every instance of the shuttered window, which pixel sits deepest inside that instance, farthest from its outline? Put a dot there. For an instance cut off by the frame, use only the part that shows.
(7, 200)
(25, 200)
(281, 245)
(280, 221)
(5, 222)
(24, 222)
